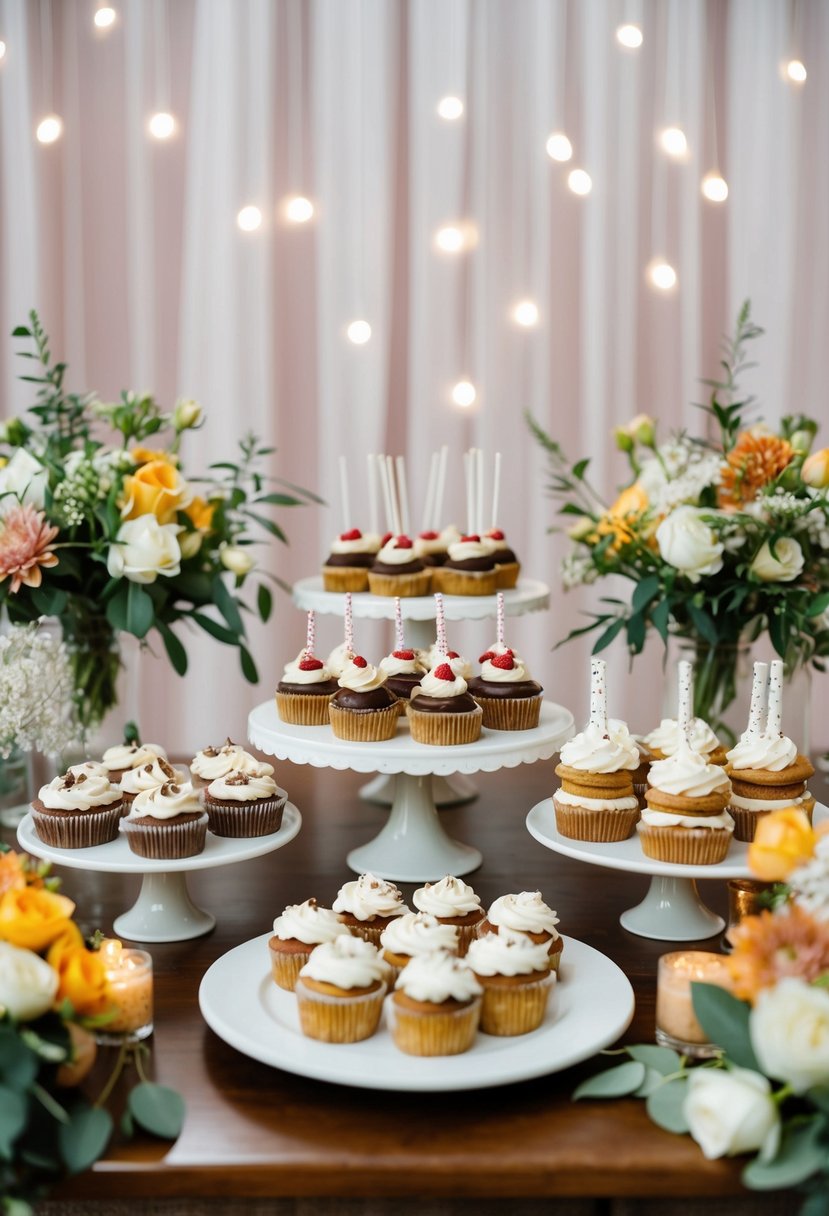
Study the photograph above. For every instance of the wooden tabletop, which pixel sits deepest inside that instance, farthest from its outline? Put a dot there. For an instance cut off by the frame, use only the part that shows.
(254, 1131)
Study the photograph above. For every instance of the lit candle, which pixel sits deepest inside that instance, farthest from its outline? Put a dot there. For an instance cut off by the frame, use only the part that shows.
(676, 1022)
(129, 975)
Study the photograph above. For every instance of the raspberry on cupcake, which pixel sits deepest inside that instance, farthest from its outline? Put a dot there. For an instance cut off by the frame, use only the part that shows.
(507, 564)
(397, 570)
(403, 668)
(442, 711)
(469, 569)
(347, 565)
(306, 685)
(507, 694)
(363, 708)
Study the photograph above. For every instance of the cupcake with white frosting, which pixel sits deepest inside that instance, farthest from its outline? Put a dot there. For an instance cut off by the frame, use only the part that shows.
(167, 822)
(363, 709)
(415, 933)
(470, 569)
(525, 912)
(124, 756)
(507, 565)
(506, 692)
(214, 762)
(596, 800)
(147, 777)
(436, 1006)
(77, 811)
(686, 819)
(303, 693)
(516, 977)
(397, 570)
(340, 991)
(452, 902)
(296, 932)
(351, 557)
(244, 805)
(368, 905)
(664, 740)
(442, 711)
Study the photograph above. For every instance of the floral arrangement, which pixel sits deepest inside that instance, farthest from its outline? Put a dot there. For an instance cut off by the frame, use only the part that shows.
(724, 538)
(767, 1091)
(111, 536)
(53, 995)
(37, 709)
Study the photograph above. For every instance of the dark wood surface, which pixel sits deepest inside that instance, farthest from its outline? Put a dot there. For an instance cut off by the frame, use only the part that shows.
(254, 1131)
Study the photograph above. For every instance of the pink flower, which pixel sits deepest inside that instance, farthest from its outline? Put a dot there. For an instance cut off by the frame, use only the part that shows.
(25, 546)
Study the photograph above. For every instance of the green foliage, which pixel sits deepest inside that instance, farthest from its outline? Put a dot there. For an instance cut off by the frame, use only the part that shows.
(158, 1109)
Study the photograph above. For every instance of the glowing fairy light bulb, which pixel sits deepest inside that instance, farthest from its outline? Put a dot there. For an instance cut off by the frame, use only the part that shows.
(464, 394)
(104, 17)
(629, 36)
(559, 147)
(525, 313)
(359, 332)
(249, 218)
(450, 108)
(162, 125)
(49, 129)
(450, 239)
(796, 71)
(662, 275)
(298, 209)
(580, 181)
(673, 142)
(714, 188)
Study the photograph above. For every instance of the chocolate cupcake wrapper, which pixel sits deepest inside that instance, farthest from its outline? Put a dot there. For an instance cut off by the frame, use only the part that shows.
(445, 730)
(404, 585)
(510, 713)
(247, 819)
(302, 709)
(364, 726)
(517, 1010)
(685, 846)
(507, 575)
(166, 843)
(582, 823)
(286, 966)
(345, 578)
(459, 582)
(446, 1033)
(85, 830)
(338, 1019)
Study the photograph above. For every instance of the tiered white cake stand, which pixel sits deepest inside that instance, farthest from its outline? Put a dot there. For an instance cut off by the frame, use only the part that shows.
(419, 612)
(164, 911)
(412, 846)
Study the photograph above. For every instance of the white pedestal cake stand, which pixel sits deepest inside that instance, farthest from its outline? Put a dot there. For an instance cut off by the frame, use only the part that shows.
(413, 846)
(530, 595)
(164, 911)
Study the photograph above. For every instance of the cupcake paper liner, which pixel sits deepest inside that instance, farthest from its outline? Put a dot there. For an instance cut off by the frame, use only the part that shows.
(466, 935)
(510, 713)
(364, 725)
(404, 585)
(507, 575)
(444, 1033)
(514, 1010)
(166, 843)
(338, 1019)
(303, 709)
(581, 823)
(286, 966)
(460, 582)
(246, 819)
(685, 846)
(82, 831)
(446, 730)
(345, 578)
(368, 931)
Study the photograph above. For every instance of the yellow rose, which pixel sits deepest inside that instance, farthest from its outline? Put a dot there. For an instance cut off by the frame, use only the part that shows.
(33, 919)
(12, 877)
(147, 455)
(81, 974)
(201, 513)
(782, 841)
(815, 471)
(156, 488)
(619, 520)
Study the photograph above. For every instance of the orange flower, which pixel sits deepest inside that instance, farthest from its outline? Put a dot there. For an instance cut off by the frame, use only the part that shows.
(25, 546)
(147, 455)
(81, 973)
(774, 945)
(754, 461)
(782, 841)
(12, 876)
(156, 488)
(201, 513)
(620, 519)
(33, 919)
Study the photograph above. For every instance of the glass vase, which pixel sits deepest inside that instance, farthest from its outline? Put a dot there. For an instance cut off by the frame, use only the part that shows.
(15, 787)
(96, 659)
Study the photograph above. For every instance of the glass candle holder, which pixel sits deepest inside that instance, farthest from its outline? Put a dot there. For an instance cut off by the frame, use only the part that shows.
(744, 899)
(676, 1022)
(129, 976)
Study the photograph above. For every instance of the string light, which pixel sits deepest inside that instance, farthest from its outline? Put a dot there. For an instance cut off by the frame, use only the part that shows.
(580, 181)
(796, 71)
(359, 332)
(49, 129)
(662, 274)
(559, 147)
(525, 313)
(249, 218)
(673, 142)
(104, 17)
(454, 238)
(2, 49)
(298, 209)
(450, 108)
(464, 394)
(714, 188)
(629, 36)
(161, 125)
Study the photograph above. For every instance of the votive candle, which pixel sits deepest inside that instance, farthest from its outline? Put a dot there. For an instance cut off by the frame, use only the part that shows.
(129, 975)
(676, 1022)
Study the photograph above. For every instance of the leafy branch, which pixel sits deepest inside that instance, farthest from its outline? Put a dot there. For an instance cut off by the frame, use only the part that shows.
(724, 405)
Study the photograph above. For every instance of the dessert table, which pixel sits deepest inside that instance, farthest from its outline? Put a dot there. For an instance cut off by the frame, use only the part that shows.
(253, 1131)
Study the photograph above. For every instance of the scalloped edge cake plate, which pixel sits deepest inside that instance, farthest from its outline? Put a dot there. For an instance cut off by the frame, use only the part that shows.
(589, 1009)
(531, 595)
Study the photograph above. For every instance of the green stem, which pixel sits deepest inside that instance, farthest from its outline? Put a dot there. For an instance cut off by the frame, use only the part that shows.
(120, 1063)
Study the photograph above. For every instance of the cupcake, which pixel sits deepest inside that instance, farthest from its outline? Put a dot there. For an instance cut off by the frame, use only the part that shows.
(147, 777)
(664, 740)
(436, 1006)
(516, 978)
(619, 732)
(469, 569)
(526, 913)
(398, 570)
(303, 693)
(415, 933)
(124, 756)
(89, 768)
(166, 823)
(338, 660)
(686, 820)
(214, 762)
(404, 671)
(507, 694)
(452, 902)
(596, 799)
(432, 656)
(442, 711)
(296, 932)
(363, 709)
(431, 548)
(340, 991)
(347, 565)
(368, 905)
(77, 811)
(244, 805)
(507, 564)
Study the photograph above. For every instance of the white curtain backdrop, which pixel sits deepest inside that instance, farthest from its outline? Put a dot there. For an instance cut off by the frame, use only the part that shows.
(130, 250)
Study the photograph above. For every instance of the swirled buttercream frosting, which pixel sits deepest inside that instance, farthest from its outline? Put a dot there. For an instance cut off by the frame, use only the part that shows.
(130, 755)
(395, 553)
(78, 793)
(338, 659)
(689, 774)
(418, 933)
(88, 768)
(438, 977)
(525, 912)
(773, 752)
(665, 737)
(216, 762)
(507, 953)
(242, 787)
(346, 962)
(165, 802)
(468, 548)
(363, 542)
(436, 684)
(597, 751)
(360, 676)
(309, 923)
(505, 675)
(147, 777)
(368, 897)
(398, 663)
(305, 671)
(431, 658)
(447, 898)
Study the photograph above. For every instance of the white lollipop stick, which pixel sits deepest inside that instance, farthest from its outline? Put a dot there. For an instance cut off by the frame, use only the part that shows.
(479, 489)
(431, 487)
(386, 488)
(759, 699)
(349, 625)
(344, 493)
(440, 625)
(437, 519)
(398, 624)
(598, 694)
(499, 619)
(309, 635)
(373, 515)
(775, 717)
(403, 493)
(496, 490)
(685, 710)
(469, 470)
(395, 499)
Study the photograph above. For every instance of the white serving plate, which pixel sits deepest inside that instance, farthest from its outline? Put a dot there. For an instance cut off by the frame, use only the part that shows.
(530, 595)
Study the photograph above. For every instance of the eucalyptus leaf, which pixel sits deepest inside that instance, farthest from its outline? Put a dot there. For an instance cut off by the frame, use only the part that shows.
(18, 1063)
(13, 1111)
(248, 665)
(800, 1155)
(84, 1138)
(16, 1207)
(725, 1021)
(217, 631)
(226, 603)
(644, 592)
(613, 1083)
(140, 611)
(175, 650)
(666, 1106)
(264, 602)
(157, 1109)
(653, 1080)
(817, 1203)
(663, 1059)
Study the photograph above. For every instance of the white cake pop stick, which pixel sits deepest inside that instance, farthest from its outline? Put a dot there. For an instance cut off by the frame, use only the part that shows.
(309, 635)
(344, 494)
(437, 520)
(398, 624)
(479, 487)
(469, 470)
(499, 619)
(440, 625)
(598, 694)
(758, 708)
(496, 490)
(431, 488)
(382, 469)
(373, 514)
(774, 722)
(395, 498)
(685, 710)
(403, 494)
(348, 625)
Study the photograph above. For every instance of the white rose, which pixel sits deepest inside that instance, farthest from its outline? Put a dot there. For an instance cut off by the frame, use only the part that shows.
(28, 985)
(789, 1028)
(143, 549)
(187, 414)
(687, 543)
(189, 543)
(236, 559)
(732, 1112)
(781, 566)
(23, 479)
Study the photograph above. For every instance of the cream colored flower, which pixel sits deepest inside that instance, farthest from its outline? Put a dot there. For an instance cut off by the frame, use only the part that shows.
(28, 985)
(143, 549)
(782, 566)
(237, 559)
(789, 1028)
(731, 1112)
(687, 542)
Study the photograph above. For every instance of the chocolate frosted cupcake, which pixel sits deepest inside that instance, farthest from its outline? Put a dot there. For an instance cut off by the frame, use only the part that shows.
(363, 708)
(243, 805)
(166, 823)
(148, 777)
(352, 556)
(525, 913)
(303, 693)
(507, 694)
(404, 671)
(507, 564)
(299, 929)
(452, 902)
(441, 711)
(436, 1006)
(214, 762)
(469, 569)
(77, 811)
(125, 756)
(398, 570)
(368, 905)
(515, 975)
